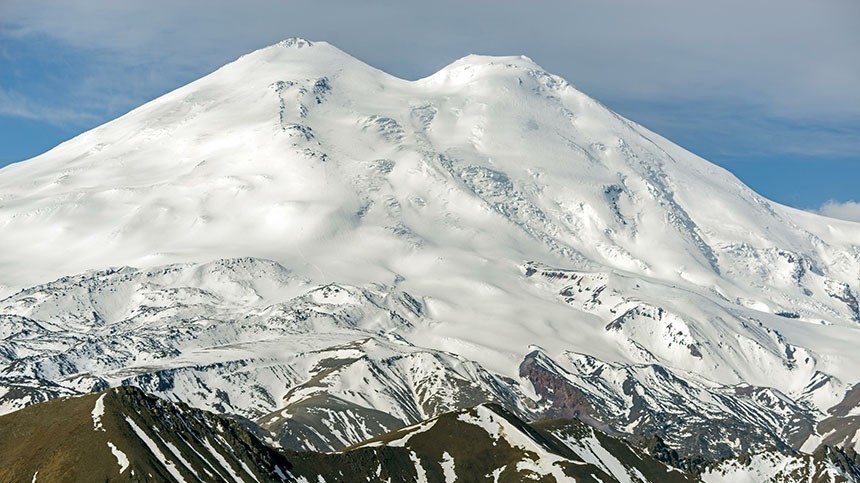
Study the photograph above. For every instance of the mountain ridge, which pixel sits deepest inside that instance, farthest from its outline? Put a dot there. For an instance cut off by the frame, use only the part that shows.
(125, 434)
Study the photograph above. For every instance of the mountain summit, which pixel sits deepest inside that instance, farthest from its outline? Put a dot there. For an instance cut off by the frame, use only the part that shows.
(489, 223)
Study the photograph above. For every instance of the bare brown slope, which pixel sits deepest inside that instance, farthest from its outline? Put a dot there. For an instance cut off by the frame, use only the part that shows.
(58, 441)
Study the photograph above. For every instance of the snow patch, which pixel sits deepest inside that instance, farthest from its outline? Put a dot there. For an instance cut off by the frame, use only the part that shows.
(97, 413)
(422, 474)
(121, 458)
(448, 467)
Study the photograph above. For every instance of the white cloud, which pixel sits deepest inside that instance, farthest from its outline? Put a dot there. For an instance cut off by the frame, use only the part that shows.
(848, 210)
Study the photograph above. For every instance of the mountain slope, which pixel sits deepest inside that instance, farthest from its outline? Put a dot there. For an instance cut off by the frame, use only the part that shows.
(125, 435)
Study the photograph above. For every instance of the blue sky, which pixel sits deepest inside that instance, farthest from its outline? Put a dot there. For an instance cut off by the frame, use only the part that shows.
(768, 89)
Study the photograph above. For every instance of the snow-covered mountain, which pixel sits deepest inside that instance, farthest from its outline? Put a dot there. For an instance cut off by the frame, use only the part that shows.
(336, 253)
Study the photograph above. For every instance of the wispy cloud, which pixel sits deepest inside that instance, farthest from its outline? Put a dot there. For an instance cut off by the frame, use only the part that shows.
(849, 210)
(16, 105)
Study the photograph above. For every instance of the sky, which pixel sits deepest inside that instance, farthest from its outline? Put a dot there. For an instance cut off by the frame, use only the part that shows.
(767, 89)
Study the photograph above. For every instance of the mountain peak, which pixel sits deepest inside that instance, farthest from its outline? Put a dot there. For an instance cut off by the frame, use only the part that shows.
(295, 42)
(503, 61)
(473, 66)
(293, 57)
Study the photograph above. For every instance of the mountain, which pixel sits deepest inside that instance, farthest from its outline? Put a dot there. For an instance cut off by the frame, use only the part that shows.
(332, 254)
(126, 435)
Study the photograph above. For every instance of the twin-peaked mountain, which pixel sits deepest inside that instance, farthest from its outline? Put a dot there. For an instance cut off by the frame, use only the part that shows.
(333, 253)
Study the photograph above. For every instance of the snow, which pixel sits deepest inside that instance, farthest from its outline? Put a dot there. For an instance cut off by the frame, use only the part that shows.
(762, 467)
(811, 443)
(409, 432)
(121, 458)
(97, 413)
(422, 474)
(448, 471)
(497, 473)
